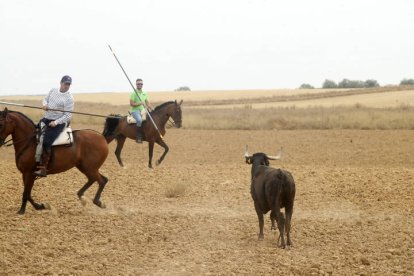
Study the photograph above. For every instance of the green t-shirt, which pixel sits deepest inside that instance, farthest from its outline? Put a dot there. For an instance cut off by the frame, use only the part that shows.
(142, 98)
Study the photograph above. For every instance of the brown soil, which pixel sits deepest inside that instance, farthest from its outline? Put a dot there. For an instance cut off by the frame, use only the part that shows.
(354, 209)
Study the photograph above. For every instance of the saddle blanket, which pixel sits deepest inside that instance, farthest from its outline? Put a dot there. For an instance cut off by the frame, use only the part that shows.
(131, 120)
(64, 138)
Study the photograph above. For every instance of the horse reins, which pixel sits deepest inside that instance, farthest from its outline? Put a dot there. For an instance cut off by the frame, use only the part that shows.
(8, 144)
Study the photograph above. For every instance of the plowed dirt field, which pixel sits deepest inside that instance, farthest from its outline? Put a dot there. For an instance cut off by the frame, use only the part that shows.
(353, 214)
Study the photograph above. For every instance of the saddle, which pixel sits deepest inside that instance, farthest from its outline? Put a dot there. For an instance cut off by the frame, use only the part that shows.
(64, 138)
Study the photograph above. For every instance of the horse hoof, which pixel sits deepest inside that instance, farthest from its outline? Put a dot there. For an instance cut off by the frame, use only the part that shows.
(99, 204)
(21, 212)
(261, 237)
(157, 163)
(46, 206)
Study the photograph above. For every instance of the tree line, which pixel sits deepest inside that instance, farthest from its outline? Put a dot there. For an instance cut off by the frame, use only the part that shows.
(346, 83)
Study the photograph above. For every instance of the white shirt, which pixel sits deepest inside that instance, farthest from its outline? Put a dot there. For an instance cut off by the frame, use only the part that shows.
(59, 100)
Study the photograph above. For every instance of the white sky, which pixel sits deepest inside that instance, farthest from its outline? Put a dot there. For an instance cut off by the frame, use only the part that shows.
(203, 44)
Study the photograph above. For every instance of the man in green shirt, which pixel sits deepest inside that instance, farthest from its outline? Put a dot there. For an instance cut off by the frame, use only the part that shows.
(138, 100)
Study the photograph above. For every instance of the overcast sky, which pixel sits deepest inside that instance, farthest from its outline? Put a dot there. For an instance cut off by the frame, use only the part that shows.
(203, 44)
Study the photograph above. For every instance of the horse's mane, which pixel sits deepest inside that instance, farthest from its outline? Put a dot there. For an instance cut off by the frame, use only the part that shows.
(162, 105)
(24, 116)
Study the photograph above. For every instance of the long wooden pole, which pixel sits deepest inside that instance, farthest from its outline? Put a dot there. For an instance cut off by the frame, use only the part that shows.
(74, 112)
(145, 107)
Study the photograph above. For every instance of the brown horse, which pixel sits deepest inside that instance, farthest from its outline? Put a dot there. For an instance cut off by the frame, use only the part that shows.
(119, 129)
(88, 152)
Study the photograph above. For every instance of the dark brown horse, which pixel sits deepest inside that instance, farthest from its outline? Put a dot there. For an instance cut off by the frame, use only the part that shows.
(119, 129)
(88, 152)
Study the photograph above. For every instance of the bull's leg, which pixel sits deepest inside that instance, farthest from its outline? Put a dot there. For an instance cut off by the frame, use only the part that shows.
(102, 180)
(289, 212)
(280, 219)
(166, 149)
(261, 221)
(120, 140)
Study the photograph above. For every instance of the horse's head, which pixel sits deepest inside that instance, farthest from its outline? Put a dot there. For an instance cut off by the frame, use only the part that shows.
(5, 127)
(176, 114)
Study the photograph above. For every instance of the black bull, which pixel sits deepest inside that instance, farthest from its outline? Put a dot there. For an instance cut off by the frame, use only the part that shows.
(271, 190)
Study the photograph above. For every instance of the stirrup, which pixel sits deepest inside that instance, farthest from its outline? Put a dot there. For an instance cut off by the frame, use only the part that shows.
(139, 137)
(41, 172)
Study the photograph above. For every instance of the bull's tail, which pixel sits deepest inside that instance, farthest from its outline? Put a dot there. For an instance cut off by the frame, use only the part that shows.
(290, 190)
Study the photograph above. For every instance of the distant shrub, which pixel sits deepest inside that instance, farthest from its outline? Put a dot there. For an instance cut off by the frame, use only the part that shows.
(183, 88)
(175, 189)
(306, 86)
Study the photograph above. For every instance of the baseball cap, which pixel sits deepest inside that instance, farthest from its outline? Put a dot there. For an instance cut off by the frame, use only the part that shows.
(66, 79)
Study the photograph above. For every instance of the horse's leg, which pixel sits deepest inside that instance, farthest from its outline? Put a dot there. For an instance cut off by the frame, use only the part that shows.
(166, 149)
(92, 177)
(28, 180)
(109, 139)
(120, 140)
(150, 153)
(85, 187)
(102, 180)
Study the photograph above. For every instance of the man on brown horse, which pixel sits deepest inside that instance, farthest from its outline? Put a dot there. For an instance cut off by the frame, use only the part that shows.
(54, 121)
(138, 100)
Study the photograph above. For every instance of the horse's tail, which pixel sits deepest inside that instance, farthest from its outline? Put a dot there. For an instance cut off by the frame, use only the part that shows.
(111, 124)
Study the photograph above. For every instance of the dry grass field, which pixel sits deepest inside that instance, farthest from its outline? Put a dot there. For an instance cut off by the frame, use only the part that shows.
(380, 108)
(193, 214)
(379, 97)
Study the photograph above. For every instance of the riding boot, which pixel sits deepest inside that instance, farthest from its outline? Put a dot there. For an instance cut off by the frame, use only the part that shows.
(139, 135)
(42, 169)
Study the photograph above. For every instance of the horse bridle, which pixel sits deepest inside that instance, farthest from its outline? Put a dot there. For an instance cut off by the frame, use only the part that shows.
(8, 143)
(173, 123)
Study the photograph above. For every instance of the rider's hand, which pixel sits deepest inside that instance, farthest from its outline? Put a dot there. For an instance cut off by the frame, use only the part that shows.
(52, 124)
(44, 107)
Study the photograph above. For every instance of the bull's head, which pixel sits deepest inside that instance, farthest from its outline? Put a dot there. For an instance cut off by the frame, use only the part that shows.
(261, 158)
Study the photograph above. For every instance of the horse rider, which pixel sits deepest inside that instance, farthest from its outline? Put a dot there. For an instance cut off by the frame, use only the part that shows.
(54, 121)
(138, 100)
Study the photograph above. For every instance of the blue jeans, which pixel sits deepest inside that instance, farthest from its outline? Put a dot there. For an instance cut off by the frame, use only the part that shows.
(51, 133)
(137, 117)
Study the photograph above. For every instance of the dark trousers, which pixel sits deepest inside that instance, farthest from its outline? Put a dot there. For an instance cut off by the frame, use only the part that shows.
(51, 133)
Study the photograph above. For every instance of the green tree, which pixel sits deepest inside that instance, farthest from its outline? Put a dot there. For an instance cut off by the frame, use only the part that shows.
(183, 88)
(407, 82)
(329, 84)
(371, 83)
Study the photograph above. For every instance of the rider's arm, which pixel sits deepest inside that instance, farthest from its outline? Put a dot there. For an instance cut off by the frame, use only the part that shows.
(134, 104)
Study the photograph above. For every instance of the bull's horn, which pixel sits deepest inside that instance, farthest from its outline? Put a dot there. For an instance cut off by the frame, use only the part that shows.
(278, 156)
(246, 153)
